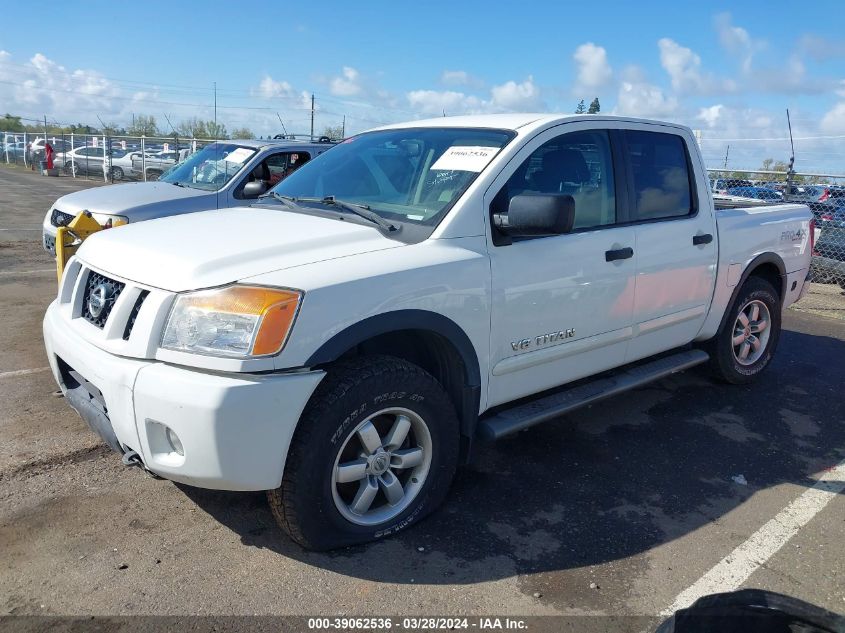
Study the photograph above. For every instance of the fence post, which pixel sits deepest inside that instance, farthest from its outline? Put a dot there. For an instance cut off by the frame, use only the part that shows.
(788, 192)
(143, 157)
(106, 158)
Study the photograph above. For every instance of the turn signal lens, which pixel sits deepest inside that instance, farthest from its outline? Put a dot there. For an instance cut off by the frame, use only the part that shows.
(232, 321)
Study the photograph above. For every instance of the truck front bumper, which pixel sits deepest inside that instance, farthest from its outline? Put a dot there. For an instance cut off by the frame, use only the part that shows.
(48, 237)
(212, 430)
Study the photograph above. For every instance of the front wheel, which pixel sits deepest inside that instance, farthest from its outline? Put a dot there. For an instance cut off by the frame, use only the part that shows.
(374, 452)
(745, 345)
(116, 173)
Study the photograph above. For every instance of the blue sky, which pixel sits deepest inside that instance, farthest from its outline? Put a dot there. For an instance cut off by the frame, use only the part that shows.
(728, 69)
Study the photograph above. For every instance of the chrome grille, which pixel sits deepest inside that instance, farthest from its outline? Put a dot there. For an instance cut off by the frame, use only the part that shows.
(111, 290)
(60, 218)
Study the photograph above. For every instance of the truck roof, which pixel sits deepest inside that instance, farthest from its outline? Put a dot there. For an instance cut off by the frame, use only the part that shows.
(515, 120)
(273, 142)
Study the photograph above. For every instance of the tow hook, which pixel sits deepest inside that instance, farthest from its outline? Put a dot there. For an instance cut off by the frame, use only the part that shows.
(131, 458)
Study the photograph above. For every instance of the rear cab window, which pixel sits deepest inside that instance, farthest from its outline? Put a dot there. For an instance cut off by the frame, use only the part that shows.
(661, 175)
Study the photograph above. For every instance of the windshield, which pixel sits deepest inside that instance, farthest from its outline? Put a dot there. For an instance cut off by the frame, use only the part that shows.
(211, 167)
(408, 175)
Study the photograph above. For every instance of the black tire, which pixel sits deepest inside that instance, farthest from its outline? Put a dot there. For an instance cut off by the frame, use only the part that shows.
(69, 169)
(153, 174)
(304, 505)
(724, 363)
(116, 173)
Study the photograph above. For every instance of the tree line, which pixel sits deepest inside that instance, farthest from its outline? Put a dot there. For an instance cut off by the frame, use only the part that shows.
(595, 107)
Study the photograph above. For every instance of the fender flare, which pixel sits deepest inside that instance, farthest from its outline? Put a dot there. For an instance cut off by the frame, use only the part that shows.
(398, 320)
(763, 258)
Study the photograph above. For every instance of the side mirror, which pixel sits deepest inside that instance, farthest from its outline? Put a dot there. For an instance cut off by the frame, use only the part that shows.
(534, 215)
(254, 189)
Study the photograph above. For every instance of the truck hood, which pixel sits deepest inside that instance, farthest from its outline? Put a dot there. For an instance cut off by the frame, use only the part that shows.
(212, 248)
(126, 198)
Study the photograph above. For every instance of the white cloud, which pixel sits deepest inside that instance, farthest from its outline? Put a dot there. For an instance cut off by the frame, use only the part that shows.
(737, 41)
(517, 96)
(458, 78)
(639, 98)
(727, 121)
(594, 71)
(509, 96)
(348, 84)
(820, 48)
(436, 102)
(833, 121)
(684, 69)
(269, 88)
(790, 77)
(41, 86)
(710, 115)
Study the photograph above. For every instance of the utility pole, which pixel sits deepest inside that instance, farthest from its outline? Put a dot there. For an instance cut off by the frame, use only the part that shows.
(727, 151)
(312, 116)
(343, 128)
(215, 107)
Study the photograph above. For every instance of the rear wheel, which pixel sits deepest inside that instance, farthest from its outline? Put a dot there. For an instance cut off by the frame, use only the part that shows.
(374, 452)
(116, 173)
(70, 169)
(745, 345)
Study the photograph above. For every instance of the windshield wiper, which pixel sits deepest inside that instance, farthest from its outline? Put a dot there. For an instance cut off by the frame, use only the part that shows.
(175, 182)
(361, 210)
(288, 201)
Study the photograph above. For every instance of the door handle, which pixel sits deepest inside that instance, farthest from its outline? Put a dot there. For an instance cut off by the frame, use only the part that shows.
(698, 240)
(619, 253)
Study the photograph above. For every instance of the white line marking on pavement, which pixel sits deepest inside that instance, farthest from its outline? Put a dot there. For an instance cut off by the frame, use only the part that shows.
(23, 372)
(27, 272)
(735, 568)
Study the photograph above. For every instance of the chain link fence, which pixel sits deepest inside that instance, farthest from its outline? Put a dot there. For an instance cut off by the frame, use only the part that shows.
(825, 195)
(98, 157)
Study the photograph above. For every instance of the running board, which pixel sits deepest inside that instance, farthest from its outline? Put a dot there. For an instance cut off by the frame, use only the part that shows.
(534, 412)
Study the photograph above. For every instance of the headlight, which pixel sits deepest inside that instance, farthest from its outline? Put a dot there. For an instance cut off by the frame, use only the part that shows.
(108, 221)
(233, 321)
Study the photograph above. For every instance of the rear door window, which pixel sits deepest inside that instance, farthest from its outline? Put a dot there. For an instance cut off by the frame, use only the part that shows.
(661, 175)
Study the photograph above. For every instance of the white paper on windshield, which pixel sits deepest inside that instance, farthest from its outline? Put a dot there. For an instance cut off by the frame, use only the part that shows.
(465, 158)
(239, 155)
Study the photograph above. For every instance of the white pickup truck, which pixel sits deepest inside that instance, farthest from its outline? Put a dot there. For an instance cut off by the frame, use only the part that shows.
(343, 342)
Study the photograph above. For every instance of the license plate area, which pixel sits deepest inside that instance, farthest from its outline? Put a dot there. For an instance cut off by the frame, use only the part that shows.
(88, 401)
(72, 379)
